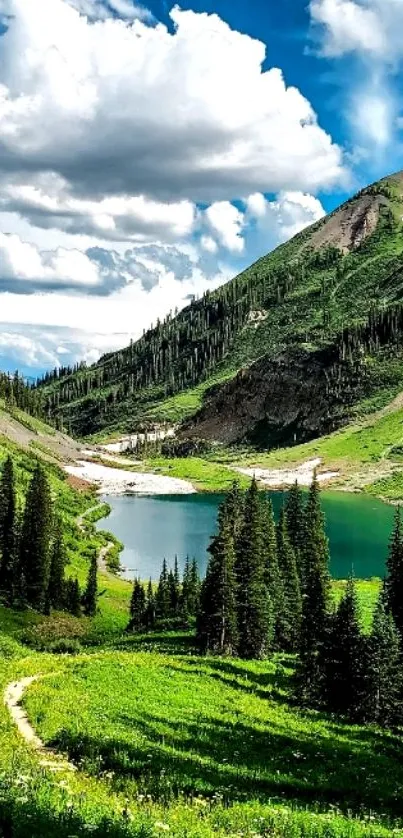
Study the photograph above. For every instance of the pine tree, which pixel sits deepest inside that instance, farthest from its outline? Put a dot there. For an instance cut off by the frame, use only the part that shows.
(194, 589)
(174, 590)
(343, 685)
(72, 597)
(217, 621)
(394, 582)
(290, 582)
(255, 617)
(137, 607)
(58, 561)
(315, 604)
(185, 598)
(150, 607)
(8, 532)
(273, 579)
(162, 599)
(384, 682)
(90, 596)
(34, 560)
(235, 507)
(296, 523)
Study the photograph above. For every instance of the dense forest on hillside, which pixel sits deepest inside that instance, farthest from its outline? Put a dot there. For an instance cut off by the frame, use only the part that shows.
(311, 293)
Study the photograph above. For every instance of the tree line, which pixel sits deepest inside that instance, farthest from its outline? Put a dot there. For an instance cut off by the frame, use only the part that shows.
(33, 556)
(267, 589)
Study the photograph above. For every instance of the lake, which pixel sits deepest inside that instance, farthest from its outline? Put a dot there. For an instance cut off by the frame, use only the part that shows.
(152, 528)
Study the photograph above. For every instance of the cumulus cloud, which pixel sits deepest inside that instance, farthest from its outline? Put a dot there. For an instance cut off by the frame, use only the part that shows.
(349, 26)
(103, 9)
(225, 222)
(105, 106)
(279, 220)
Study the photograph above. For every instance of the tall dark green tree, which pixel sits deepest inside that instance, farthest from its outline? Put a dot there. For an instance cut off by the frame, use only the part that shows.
(34, 559)
(316, 601)
(290, 583)
(384, 683)
(174, 589)
(217, 620)
(235, 507)
(273, 578)
(150, 609)
(163, 599)
(58, 561)
(254, 608)
(137, 607)
(8, 532)
(394, 581)
(72, 597)
(343, 683)
(296, 523)
(90, 596)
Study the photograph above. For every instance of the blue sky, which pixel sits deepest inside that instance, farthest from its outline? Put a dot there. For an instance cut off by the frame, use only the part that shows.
(148, 153)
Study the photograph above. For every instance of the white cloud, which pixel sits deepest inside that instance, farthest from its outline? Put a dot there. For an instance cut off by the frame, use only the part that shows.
(209, 244)
(279, 220)
(226, 222)
(370, 30)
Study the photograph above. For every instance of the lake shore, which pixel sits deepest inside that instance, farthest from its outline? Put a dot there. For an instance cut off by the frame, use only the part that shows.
(115, 481)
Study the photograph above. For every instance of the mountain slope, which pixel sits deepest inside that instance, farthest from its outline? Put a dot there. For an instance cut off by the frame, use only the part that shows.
(325, 300)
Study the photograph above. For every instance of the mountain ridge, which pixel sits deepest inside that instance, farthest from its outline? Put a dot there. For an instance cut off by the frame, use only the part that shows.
(299, 298)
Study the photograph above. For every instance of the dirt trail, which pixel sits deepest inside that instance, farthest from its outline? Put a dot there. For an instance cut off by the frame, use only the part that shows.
(13, 696)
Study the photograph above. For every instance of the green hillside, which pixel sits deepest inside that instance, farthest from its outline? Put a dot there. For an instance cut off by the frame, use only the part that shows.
(329, 298)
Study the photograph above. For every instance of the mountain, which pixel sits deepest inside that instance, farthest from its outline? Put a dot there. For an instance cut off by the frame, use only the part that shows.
(291, 348)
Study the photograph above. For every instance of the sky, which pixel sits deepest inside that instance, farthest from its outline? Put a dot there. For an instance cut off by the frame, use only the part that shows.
(151, 152)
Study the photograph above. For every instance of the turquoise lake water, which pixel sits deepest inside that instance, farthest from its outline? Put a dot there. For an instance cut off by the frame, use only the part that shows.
(152, 528)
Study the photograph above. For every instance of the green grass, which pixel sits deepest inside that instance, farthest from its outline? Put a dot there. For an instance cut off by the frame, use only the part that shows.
(205, 475)
(216, 746)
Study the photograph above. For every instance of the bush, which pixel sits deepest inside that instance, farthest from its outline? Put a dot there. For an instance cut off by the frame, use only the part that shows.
(65, 646)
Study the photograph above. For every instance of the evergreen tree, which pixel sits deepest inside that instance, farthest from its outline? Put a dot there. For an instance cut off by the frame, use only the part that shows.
(185, 598)
(162, 599)
(194, 589)
(315, 604)
(174, 590)
(8, 532)
(292, 603)
(273, 579)
(384, 682)
(58, 561)
(137, 607)
(217, 621)
(91, 592)
(34, 563)
(394, 582)
(72, 597)
(296, 523)
(255, 617)
(343, 686)
(150, 607)
(235, 505)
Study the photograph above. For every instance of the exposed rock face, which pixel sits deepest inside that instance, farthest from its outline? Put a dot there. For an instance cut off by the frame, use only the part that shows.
(277, 402)
(347, 228)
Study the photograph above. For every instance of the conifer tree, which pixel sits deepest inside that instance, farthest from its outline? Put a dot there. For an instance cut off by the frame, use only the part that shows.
(58, 561)
(150, 606)
(217, 621)
(185, 597)
(315, 604)
(273, 578)
(8, 532)
(292, 603)
(137, 607)
(174, 590)
(91, 592)
(235, 505)
(255, 617)
(296, 523)
(384, 682)
(343, 686)
(72, 597)
(194, 592)
(34, 560)
(162, 599)
(394, 582)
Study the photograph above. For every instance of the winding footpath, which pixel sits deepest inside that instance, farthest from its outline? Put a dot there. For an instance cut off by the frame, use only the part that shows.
(13, 696)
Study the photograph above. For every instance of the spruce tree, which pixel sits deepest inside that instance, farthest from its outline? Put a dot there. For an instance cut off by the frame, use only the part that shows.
(194, 589)
(137, 607)
(217, 620)
(72, 597)
(315, 604)
(150, 606)
(290, 583)
(34, 559)
(296, 524)
(8, 533)
(58, 561)
(174, 590)
(185, 597)
(343, 685)
(255, 616)
(235, 507)
(394, 581)
(384, 682)
(162, 599)
(91, 591)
